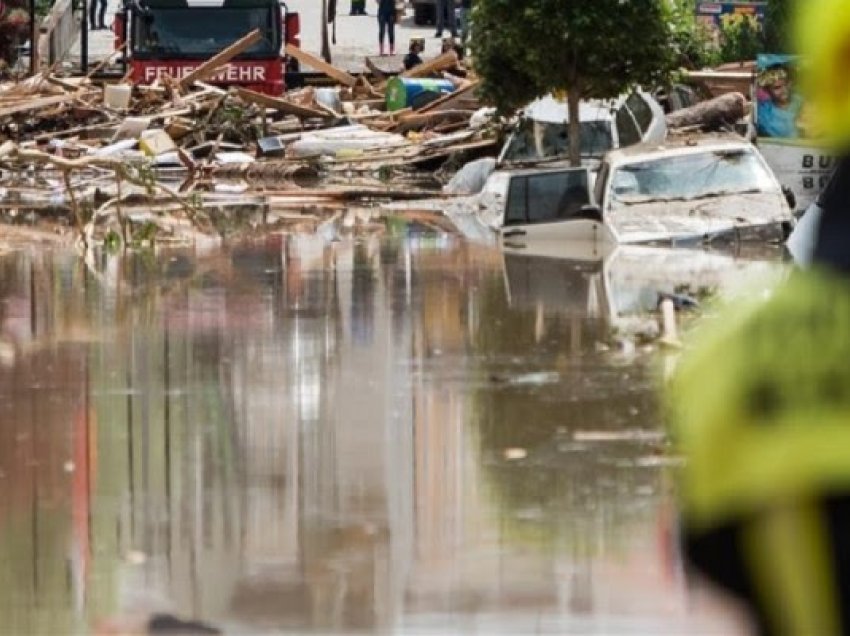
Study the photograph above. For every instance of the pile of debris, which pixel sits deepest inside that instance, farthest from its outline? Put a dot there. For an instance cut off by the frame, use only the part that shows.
(93, 151)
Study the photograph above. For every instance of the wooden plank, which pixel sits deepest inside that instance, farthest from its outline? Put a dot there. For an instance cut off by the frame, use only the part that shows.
(448, 150)
(448, 101)
(377, 104)
(221, 58)
(27, 105)
(281, 105)
(719, 75)
(66, 84)
(379, 75)
(320, 65)
(415, 118)
(440, 63)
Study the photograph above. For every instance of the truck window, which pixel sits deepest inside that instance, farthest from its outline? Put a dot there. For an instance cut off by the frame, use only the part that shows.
(200, 32)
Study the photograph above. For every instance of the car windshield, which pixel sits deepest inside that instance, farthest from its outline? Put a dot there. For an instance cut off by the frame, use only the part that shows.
(203, 31)
(534, 140)
(686, 177)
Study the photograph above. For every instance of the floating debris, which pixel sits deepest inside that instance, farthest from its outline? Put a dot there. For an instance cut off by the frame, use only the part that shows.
(625, 435)
(514, 454)
(168, 145)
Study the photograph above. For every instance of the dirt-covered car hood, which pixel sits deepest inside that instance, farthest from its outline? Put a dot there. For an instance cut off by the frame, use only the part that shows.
(746, 214)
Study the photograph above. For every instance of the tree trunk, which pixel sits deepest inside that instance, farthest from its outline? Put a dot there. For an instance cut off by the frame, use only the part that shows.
(574, 126)
(715, 113)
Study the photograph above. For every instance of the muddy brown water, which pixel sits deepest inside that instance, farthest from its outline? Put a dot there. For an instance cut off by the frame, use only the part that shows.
(395, 435)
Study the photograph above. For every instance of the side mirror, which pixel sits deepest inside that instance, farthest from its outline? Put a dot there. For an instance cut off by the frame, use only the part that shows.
(590, 212)
(790, 197)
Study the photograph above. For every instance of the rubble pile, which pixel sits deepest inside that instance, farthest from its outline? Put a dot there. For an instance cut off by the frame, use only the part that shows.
(115, 157)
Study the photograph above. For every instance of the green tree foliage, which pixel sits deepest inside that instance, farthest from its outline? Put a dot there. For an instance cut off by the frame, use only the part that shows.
(777, 25)
(589, 48)
(740, 41)
(743, 40)
(692, 40)
(14, 29)
(15, 26)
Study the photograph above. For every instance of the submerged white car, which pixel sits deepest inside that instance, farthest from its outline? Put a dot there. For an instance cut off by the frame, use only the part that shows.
(541, 132)
(701, 189)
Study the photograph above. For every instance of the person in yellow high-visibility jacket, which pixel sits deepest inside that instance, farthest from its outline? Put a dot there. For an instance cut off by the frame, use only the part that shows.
(760, 406)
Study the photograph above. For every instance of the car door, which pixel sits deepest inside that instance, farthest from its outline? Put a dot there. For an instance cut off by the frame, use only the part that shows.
(550, 205)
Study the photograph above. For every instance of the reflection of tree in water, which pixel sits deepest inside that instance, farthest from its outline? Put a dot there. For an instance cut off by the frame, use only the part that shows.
(46, 454)
(41, 552)
(362, 296)
(163, 466)
(175, 455)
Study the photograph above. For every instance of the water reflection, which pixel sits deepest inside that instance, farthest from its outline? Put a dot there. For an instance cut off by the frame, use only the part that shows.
(406, 434)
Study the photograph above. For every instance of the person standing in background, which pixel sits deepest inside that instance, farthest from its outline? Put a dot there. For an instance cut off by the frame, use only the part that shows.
(765, 488)
(96, 25)
(446, 11)
(358, 7)
(413, 59)
(386, 25)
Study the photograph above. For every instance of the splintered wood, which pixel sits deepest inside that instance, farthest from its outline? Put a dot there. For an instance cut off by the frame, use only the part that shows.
(326, 146)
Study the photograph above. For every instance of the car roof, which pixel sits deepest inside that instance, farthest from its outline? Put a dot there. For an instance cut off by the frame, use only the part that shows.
(676, 145)
(551, 110)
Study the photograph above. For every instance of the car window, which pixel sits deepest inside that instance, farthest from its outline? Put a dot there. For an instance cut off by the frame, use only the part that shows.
(685, 177)
(641, 111)
(551, 196)
(517, 198)
(626, 128)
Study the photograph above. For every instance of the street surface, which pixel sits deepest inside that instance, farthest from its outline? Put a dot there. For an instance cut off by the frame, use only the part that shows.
(356, 36)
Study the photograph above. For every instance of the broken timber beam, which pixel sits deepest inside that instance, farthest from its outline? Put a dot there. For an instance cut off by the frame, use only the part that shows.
(440, 63)
(420, 120)
(714, 113)
(35, 104)
(377, 73)
(282, 105)
(320, 65)
(221, 58)
(448, 101)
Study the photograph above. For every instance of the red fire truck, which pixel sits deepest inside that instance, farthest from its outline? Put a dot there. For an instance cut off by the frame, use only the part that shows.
(175, 36)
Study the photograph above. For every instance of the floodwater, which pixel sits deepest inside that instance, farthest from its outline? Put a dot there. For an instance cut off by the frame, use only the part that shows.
(406, 434)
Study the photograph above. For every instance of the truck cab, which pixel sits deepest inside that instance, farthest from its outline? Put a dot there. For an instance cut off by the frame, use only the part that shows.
(173, 37)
